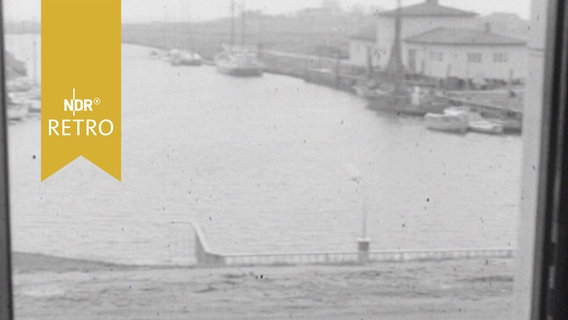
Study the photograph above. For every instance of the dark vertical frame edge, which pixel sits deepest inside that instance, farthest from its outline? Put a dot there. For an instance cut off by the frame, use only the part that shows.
(553, 183)
(6, 303)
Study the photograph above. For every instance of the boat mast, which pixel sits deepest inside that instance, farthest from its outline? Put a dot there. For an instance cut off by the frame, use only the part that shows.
(395, 67)
(35, 58)
(243, 25)
(232, 23)
(190, 46)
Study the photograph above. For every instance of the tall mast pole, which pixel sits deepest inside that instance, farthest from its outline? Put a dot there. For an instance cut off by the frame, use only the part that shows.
(395, 63)
(243, 25)
(35, 58)
(188, 20)
(232, 23)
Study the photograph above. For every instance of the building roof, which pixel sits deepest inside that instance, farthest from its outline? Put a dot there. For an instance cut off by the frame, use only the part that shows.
(430, 8)
(507, 24)
(455, 36)
(366, 34)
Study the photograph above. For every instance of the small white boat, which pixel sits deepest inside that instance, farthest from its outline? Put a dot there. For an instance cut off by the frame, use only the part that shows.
(486, 126)
(30, 98)
(367, 92)
(17, 110)
(19, 85)
(34, 106)
(465, 111)
(33, 93)
(154, 54)
(509, 125)
(239, 60)
(185, 58)
(446, 122)
(240, 63)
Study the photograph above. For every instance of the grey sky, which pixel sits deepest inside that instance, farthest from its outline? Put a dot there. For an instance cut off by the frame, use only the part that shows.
(195, 10)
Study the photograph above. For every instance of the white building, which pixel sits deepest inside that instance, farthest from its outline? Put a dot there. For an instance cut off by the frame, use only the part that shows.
(417, 19)
(473, 54)
(363, 49)
(443, 42)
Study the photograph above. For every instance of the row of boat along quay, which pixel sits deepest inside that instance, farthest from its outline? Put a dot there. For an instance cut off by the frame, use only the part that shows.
(264, 165)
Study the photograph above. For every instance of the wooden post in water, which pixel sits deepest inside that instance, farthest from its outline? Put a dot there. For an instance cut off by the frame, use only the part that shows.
(369, 56)
(363, 246)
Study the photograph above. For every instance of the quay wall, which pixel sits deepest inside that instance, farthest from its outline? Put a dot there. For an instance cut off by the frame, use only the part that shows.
(337, 73)
(205, 257)
(343, 75)
(340, 74)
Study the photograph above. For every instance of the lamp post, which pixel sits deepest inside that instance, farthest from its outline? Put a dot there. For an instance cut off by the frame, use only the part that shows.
(363, 243)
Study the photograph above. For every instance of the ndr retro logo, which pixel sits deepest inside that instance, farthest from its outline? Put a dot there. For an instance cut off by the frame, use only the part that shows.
(83, 126)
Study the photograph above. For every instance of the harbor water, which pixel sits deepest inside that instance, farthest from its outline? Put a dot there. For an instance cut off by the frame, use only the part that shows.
(263, 165)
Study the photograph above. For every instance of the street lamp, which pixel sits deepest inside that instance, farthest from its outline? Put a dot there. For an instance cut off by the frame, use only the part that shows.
(363, 243)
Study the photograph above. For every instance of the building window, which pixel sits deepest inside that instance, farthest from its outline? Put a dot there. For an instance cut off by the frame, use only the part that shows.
(474, 57)
(500, 57)
(377, 53)
(436, 56)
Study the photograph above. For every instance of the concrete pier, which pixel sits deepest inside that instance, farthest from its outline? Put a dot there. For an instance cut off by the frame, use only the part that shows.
(207, 258)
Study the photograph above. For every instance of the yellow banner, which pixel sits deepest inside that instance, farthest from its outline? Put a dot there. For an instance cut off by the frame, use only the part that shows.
(81, 84)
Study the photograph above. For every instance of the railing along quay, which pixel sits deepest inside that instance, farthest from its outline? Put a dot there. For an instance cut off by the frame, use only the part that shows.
(205, 257)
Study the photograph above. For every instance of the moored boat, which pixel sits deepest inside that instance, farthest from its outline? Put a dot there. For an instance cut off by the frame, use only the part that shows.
(401, 99)
(154, 54)
(30, 98)
(34, 93)
(34, 106)
(17, 110)
(370, 89)
(486, 126)
(466, 111)
(185, 58)
(19, 85)
(405, 103)
(509, 125)
(446, 122)
(240, 60)
(239, 63)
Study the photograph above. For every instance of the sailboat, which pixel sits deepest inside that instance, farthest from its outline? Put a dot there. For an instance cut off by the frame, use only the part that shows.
(184, 57)
(16, 110)
(238, 60)
(25, 94)
(395, 96)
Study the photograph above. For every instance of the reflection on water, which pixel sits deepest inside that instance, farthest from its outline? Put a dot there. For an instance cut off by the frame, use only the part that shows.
(260, 164)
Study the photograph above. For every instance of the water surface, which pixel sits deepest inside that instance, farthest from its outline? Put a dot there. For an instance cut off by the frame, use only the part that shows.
(262, 165)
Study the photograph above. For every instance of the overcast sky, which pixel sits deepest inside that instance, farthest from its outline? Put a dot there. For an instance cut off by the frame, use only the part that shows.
(199, 10)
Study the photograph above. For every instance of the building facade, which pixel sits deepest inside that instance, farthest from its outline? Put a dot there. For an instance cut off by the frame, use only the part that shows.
(363, 49)
(417, 19)
(468, 54)
(443, 42)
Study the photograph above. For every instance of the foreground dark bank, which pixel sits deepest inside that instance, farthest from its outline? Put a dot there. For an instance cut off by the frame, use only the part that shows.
(55, 288)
